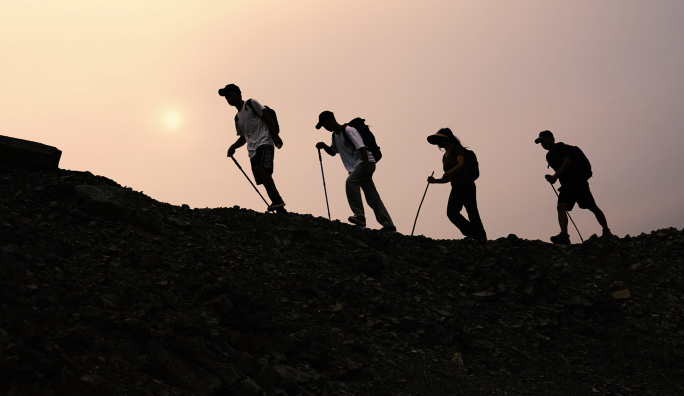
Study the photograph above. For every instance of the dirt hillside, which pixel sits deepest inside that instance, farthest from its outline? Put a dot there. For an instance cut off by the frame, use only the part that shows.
(105, 291)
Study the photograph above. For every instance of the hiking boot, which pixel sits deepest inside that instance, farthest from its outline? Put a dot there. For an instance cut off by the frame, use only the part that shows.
(606, 233)
(562, 239)
(358, 220)
(276, 204)
(388, 228)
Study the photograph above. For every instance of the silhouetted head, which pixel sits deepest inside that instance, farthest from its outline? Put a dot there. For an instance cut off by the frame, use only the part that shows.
(232, 94)
(443, 137)
(327, 120)
(546, 139)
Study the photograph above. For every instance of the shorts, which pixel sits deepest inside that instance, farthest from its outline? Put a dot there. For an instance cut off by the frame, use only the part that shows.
(263, 157)
(581, 195)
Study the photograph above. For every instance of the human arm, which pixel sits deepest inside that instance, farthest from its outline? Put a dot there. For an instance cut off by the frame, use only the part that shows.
(239, 143)
(366, 164)
(451, 174)
(272, 128)
(553, 178)
(326, 148)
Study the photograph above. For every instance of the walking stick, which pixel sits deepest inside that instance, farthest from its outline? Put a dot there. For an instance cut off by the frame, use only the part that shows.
(250, 181)
(573, 221)
(324, 188)
(419, 206)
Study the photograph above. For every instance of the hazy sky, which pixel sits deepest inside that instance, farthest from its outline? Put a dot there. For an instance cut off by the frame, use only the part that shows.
(127, 90)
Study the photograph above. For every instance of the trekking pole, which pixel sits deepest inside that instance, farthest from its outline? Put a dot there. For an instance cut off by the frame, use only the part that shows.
(419, 206)
(324, 188)
(250, 180)
(573, 221)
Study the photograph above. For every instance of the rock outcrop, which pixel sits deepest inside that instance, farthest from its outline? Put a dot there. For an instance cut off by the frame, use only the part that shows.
(19, 153)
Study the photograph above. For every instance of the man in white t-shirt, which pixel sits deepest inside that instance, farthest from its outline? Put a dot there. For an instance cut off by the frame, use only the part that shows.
(259, 130)
(360, 164)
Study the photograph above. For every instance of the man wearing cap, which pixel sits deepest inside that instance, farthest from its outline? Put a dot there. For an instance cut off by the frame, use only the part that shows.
(360, 164)
(574, 186)
(256, 128)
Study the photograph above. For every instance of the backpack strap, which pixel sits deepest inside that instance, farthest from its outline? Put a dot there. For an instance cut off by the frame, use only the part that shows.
(251, 106)
(346, 138)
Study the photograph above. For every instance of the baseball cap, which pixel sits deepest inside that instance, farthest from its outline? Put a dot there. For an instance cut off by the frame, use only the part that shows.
(542, 135)
(230, 87)
(322, 117)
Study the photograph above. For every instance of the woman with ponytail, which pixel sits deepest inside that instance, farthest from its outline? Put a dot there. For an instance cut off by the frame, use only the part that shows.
(463, 190)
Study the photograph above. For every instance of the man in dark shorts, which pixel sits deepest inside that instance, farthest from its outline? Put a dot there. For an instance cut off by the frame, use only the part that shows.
(256, 128)
(574, 186)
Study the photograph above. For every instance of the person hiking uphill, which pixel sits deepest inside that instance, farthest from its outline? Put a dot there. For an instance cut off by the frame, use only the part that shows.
(567, 162)
(463, 191)
(259, 130)
(360, 164)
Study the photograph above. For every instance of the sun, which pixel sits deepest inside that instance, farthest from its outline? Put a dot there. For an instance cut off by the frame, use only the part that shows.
(172, 119)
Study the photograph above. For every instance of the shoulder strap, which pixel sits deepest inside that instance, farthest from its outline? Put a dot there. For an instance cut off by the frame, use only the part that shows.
(346, 137)
(249, 103)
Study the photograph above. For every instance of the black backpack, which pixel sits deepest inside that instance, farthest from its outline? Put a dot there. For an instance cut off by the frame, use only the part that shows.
(580, 161)
(366, 135)
(471, 163)
(267, 109)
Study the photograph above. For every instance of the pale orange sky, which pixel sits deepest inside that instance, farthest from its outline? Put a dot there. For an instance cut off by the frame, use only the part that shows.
(127, 90)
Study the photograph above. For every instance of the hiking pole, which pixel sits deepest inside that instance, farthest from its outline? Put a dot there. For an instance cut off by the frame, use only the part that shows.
(324, 188)
(566, 212)
(250, 180)
(419, 206)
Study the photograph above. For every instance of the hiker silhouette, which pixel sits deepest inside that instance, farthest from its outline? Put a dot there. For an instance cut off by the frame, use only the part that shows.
(573, 170)
(461, 170)
(258, 127)
(358, 151)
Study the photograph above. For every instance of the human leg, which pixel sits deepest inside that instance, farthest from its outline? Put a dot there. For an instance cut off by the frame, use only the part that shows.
(470, 203)
(262, 168)
(601, 219)
(353, 190)
(454, 212)
(266, 179)
(374, 201)
(562, 217)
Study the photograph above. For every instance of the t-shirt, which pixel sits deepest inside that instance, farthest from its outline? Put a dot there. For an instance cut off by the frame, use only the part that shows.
(350, 153)
(571, 176)
(450, 162)
(252, 127)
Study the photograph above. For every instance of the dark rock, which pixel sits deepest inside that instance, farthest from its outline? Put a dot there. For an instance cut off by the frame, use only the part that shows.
(19, 153)
(250, 388)
(184, 374)
(267, 377)
(276, 342)
(103, 201)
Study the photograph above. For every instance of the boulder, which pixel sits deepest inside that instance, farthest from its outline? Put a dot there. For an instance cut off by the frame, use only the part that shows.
(19, 153)
(103, 201)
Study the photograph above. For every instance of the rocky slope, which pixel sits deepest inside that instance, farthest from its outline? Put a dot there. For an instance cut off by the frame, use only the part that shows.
(105, 291)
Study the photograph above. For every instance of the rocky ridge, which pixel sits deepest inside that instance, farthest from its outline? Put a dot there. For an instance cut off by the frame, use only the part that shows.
(105, 291)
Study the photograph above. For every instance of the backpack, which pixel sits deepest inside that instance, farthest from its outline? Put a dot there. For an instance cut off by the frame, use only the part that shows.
(580, 161)
(366, 135)
(471, 163)
(268, 110)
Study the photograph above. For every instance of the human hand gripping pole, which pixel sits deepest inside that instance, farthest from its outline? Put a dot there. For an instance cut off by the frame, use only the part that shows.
(324, 188)
(421, 204)
(248, 179)
(573, 221)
